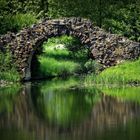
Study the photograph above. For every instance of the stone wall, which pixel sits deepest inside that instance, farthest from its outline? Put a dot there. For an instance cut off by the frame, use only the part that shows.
(107, 49)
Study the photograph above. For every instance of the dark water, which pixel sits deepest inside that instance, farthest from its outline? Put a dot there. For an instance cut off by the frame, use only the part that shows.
(64, 110)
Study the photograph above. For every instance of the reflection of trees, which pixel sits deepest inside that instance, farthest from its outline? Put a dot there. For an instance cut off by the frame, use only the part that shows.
(7, 97)
(110, 118)
(63, 107)
(110, 112)
(13, 107)
(75, 115)
(15, 135)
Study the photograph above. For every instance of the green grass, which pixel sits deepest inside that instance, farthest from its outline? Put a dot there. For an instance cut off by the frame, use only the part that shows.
(62, 56)
(125, 73)
(53, 67)
(50, 52)
(55, 61)
(10, 75)
(8, 71)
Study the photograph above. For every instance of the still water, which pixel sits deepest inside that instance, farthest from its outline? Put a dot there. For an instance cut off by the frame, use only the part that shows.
(65, 110)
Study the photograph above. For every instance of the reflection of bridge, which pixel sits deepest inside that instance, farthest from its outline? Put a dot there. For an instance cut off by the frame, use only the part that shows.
(107, 49)
(104, 115)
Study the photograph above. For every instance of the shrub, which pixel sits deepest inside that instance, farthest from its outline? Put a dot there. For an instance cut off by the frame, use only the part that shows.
(14, 23)
(8, 71)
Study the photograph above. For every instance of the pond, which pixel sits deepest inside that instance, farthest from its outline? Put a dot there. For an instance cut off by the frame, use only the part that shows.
(63, 109)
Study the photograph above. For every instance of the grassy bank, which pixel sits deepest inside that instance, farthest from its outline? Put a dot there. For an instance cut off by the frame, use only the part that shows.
(8, 72)
(10, 76)
(125, 73)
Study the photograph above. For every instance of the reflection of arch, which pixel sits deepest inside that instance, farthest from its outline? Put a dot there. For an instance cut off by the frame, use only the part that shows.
(61, 107)
(105, 112)
(107, 49)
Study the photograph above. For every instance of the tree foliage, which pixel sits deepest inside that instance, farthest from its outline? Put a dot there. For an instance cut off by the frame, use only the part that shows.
(117, 16)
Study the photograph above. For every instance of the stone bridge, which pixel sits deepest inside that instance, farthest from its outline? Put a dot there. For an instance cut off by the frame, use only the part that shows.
(107, 49)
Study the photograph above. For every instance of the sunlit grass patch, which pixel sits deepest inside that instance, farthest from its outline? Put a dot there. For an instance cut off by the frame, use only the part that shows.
(56, 54)
(125, 73)
(53, 67)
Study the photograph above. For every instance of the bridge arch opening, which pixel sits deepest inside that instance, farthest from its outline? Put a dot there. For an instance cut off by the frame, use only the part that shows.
(60, 57)
(107, 49)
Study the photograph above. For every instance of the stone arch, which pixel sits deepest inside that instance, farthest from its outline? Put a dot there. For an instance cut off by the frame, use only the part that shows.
(108, 49)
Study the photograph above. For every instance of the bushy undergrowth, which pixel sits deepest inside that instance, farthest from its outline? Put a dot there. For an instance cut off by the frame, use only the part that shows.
(8, 71)
(125, 73)
(14, 23)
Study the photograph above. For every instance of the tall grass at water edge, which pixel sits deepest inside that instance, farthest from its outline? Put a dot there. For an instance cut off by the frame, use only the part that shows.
(8, 71)
(122, 74)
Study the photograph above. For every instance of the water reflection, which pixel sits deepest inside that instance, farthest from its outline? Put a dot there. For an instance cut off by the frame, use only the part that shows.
(63, 107)
(63, 110)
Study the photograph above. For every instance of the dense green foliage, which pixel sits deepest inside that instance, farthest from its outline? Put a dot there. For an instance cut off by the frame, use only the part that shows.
(8, 71)
(14, 15)
(121, 17)
(15, 23)
(125, 21)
